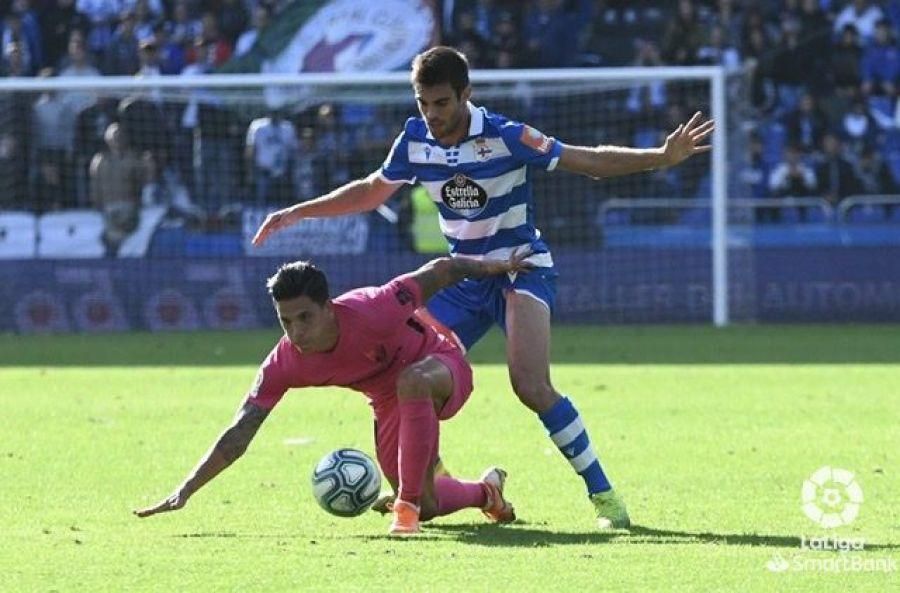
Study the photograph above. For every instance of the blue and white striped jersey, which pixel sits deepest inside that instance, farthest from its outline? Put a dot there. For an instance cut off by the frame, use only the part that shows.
(482, 186)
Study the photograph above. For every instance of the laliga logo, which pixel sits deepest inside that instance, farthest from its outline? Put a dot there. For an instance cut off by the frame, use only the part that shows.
(831, 497)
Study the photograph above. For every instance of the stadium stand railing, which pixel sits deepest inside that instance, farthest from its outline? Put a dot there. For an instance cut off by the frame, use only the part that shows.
(870, 209)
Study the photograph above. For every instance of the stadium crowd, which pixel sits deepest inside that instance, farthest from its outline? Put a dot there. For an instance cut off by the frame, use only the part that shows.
(821, 80)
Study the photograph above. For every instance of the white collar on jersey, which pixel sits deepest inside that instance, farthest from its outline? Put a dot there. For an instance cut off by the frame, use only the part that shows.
(476, 122)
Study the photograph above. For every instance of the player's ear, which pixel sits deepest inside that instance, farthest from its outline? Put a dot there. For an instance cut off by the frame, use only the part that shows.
(466, 94)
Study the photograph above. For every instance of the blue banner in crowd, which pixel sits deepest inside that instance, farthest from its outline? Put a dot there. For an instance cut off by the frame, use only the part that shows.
(622, 285)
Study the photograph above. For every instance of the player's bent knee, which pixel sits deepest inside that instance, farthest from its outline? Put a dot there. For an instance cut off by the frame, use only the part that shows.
(414, 383)
(538, 395)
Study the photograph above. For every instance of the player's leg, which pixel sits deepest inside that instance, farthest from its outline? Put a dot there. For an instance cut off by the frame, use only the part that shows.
(528, 355)
(385, 502)
(422, 389)
(387, 430)
(457, 312)
(451, 494)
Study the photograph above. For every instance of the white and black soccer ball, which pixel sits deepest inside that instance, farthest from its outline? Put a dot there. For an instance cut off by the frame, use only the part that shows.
(346, 482)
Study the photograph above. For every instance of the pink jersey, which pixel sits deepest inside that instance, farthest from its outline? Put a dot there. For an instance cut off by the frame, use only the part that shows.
(378, 337)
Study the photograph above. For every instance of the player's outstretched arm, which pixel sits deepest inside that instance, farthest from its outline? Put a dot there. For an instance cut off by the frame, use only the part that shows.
(446, 271)
(360, 195)
(231, 445)
(611, 161)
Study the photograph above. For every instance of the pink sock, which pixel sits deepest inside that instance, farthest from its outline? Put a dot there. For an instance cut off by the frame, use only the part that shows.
(417, 446)
(453, 495)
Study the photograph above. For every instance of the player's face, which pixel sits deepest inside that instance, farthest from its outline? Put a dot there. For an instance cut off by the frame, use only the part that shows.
(309, 327)
(445, 114)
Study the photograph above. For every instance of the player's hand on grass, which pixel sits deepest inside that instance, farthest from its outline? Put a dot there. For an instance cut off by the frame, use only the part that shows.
(274, 221)
(175, 501)
(687, 139)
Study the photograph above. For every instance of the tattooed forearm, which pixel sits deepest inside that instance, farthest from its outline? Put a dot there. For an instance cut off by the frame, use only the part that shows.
(236, 439)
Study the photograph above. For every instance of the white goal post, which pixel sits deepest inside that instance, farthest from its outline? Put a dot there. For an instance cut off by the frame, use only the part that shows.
(265, 90)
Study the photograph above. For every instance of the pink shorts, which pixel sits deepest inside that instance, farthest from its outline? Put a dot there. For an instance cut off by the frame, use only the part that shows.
(387, 417)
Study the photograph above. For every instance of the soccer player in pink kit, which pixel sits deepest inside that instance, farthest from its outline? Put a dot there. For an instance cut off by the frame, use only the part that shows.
(370, 340)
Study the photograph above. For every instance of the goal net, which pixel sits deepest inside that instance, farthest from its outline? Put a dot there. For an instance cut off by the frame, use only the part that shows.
(131, 203)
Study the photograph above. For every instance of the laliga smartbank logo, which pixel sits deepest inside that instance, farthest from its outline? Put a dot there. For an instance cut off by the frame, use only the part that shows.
(831, 497)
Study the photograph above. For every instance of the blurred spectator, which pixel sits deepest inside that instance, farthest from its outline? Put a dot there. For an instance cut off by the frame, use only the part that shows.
(117, 178)
(15, 113)
(792, 177)
(262, 16)
(213, 134)
(815, 33)
(788, 71)
(881, 63)
(858, 127)
(718, 51)
(90, 129)
(121, 55)
(148, 56)
(51, 132)
(730, 18)
(845, 61)
(835, 174)
(683, 36)
(11, 60)
(232, 19)
(467, 39)
(551, 35)
(754, 171)
(807, 124)
(652, 94)
(862, 14)
(485, 13)
(144, 127)
(874, 175)
(15, 30)
(77, 65)
(218, 49)
(759, 64)
(185, 28)
(331, 137)
(102, 15)
(77, 61)
(170, 54)
(507, 45)
(270, 150)
(308, 174)
(57, 23)
(144, 19)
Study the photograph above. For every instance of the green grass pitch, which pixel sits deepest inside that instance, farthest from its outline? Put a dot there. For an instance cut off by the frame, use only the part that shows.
(708, 434)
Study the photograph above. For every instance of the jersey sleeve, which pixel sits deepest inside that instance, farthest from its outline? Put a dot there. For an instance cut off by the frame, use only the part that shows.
(530, 146)
(396, 167)
(271, 381)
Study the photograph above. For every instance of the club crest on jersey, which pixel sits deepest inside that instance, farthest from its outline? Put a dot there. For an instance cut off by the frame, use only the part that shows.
(464, 196)
(536, 140)
(483, 151)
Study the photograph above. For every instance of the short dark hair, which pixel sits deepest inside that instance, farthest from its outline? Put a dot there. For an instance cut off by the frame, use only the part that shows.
(439, 65)
(296, 279)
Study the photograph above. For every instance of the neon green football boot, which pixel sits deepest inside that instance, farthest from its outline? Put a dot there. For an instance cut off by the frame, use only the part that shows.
(611, 512)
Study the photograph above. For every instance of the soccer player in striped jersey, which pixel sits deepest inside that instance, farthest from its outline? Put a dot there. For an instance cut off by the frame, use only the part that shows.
(475, 165)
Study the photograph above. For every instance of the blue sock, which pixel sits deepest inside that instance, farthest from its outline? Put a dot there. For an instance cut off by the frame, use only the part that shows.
(563, 423)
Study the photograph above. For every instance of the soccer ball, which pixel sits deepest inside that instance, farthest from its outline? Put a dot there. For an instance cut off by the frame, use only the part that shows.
(346, 482)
